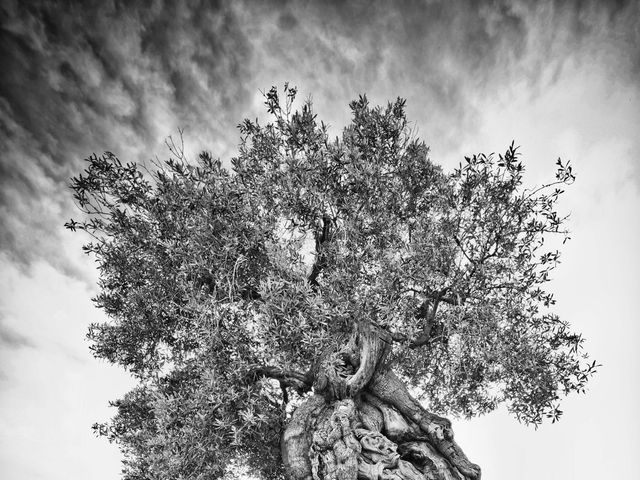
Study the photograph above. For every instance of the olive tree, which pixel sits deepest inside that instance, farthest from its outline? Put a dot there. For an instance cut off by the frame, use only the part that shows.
(313, 309)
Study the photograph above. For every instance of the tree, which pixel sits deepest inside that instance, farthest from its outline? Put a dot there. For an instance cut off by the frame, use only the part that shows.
(278, 314)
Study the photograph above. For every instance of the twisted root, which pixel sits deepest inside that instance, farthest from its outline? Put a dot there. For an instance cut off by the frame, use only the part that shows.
(366, 439)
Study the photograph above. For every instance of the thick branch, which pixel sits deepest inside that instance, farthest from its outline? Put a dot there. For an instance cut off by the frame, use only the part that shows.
(372, 350)
(301, 382)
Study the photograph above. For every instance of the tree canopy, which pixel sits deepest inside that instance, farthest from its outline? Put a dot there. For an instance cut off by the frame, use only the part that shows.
(225, 286)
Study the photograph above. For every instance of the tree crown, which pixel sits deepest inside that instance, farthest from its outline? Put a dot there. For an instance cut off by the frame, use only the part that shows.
(225, 286)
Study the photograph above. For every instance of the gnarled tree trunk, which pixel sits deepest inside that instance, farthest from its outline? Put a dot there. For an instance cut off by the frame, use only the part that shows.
(362, 423)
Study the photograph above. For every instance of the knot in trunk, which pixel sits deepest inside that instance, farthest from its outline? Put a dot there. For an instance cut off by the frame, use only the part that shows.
(346, 372)
(335, 450)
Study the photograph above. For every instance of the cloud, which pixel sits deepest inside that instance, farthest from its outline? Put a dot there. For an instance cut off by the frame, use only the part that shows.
(444, 57)
(10, 338)
(51, 394)
(109, 76)
(103, 77)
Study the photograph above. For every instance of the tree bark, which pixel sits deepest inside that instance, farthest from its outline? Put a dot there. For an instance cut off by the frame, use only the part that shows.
(362, 423)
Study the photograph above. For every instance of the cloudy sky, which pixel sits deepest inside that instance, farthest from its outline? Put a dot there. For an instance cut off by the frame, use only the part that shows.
(561, 79)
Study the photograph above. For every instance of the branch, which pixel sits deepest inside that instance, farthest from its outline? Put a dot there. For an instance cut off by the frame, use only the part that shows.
(428, 310)
(301, 382)
(372, 349)
(431, 295)
(320, 261)
(459, 243)
(285, 394)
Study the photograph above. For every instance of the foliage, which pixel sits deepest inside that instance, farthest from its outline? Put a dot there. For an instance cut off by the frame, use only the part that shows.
(210, 275)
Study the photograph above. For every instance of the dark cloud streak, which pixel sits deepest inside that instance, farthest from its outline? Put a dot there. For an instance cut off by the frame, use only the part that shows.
(78, 79)
(95, 76)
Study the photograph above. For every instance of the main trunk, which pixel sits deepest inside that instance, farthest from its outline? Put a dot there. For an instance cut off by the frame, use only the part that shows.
(362, 423)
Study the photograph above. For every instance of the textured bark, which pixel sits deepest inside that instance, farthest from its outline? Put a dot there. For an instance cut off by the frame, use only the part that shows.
(297, 438)
(362, 423)
(335, 450)
(362, 438)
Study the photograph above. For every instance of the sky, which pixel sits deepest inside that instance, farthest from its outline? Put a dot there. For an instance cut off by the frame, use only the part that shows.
(561, 79)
